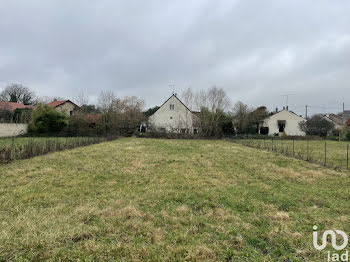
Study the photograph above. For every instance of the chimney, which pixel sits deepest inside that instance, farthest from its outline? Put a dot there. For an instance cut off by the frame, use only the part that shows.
(284, 108)
(276, 109)
(287, 108)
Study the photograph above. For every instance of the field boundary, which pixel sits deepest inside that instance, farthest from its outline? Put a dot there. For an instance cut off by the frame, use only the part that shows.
(270, 145)
(32, 148)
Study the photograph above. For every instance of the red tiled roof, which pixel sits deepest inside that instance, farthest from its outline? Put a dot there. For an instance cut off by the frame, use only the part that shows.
(57, 103)
(93, 118)
(13, 106)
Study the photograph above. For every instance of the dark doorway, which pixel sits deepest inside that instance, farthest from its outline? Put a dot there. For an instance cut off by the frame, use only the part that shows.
(281, 125)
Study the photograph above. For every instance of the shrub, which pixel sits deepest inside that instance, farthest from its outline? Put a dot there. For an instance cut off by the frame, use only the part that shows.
(347, 136)
(6, 116)
(46, 120)
(317, 126)
(22, 115)
(78, 126)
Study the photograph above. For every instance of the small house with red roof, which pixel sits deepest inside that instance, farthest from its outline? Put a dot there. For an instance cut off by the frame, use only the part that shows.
(65, 106)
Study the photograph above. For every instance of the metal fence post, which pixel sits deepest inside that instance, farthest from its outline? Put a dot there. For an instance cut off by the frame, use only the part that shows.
(307, 150)
(347, 157)
(281, 146)
(325, 153)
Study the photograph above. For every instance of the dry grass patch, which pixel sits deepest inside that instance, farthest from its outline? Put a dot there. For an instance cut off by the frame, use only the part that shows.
(182, 209)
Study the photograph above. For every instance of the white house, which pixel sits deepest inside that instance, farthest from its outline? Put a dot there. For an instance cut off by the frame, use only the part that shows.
(175, 117)
(284, 122)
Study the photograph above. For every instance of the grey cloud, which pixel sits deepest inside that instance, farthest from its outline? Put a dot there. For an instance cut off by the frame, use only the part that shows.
(256, 50)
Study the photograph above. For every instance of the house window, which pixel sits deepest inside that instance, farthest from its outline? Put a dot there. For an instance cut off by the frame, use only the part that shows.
(183, 130)
(172, 107)
(71, 113)
(195, 131)
(171, 117)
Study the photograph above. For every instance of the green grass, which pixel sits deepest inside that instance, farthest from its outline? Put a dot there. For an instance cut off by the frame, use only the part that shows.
(179, 200)
(336, 151)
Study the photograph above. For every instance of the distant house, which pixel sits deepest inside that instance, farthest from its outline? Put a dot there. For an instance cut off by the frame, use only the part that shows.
(337, 120)
(284, 122)
(65, 106)
(345, 115)
(175, 117)
(11, 106)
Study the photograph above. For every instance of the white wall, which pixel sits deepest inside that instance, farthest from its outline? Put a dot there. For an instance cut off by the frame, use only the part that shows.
(292, 123)
(172, 120)
(13, 129)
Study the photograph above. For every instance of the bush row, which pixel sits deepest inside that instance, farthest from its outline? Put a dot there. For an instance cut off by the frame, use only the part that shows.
(45, 146)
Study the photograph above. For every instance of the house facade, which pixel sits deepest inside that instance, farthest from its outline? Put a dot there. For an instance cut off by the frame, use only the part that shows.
(281, 123)
(65, 106)
(173, 116)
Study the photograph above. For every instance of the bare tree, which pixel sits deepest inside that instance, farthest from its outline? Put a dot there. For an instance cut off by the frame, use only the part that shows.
(82, 98)
(124, 115)
(17, 93)
(187, 97)
(200, 99)
(217, 99)
(212, 103)
(106, 100)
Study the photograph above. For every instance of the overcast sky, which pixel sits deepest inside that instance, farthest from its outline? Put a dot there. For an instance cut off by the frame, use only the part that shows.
(256, 50)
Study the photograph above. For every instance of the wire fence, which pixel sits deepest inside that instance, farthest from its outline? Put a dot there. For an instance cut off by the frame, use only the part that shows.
(328, 153)
(32, 147)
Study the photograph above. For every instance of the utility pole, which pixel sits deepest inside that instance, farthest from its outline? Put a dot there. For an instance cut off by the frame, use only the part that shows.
(343, 107)
(306, 111)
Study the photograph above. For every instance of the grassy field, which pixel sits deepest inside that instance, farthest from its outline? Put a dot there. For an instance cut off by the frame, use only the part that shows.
(336, 151)
(177, 200)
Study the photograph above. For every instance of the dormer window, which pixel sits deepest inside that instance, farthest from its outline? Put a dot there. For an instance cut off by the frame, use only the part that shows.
(172, 107)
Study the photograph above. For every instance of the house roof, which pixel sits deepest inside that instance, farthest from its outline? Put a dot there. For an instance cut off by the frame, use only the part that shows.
(58, 103)
(282, 111)
(173, 95)
(335, 119)
(11, 106)
(93, 118)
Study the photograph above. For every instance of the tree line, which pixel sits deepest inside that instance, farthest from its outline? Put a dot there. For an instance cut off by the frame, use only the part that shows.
(218, 115)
